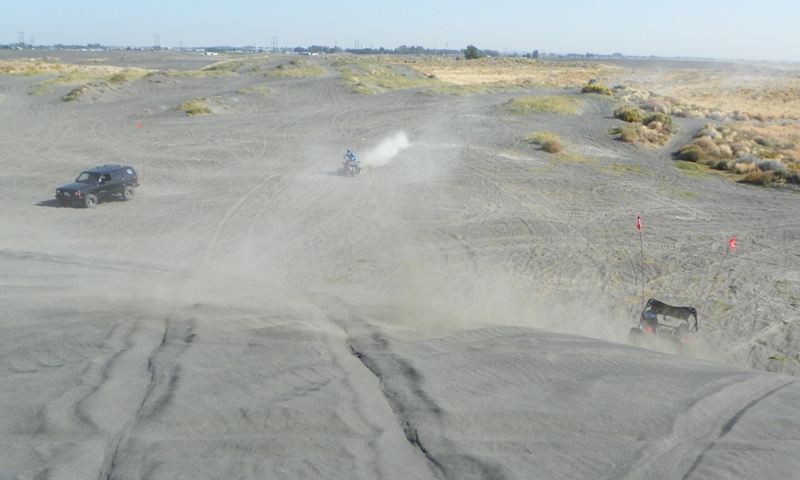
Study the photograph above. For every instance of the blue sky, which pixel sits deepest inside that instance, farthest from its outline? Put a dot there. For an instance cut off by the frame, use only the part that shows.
(725, 29)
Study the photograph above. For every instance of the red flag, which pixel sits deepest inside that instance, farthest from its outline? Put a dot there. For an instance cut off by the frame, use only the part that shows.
(639, 223)
(732, 242)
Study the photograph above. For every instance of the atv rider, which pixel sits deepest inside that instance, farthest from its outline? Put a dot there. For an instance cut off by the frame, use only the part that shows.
(350, 157)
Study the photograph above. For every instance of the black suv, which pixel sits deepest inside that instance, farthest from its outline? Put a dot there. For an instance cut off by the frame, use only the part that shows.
(98, 184)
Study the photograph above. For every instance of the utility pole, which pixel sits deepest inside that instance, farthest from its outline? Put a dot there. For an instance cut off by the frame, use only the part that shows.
(21, 35)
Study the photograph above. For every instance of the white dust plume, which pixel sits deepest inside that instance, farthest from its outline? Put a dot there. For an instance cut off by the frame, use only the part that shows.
(386, 151)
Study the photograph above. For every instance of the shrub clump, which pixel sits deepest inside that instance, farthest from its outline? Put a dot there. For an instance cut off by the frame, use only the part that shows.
(653, 128)
(692, 153)
(549, 142)
(757, 177)
(118, 77)
(629, 114)
(771, 166)
(628, 134)
(661, 118)
(195, 107)
(551, 146)
(75, 93)
(757, 158)
(597, 88)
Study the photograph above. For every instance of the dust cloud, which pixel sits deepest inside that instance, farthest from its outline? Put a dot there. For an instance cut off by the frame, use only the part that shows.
(386, 151)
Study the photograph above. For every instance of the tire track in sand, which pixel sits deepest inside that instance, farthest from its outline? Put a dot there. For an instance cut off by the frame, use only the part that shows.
(699, 427)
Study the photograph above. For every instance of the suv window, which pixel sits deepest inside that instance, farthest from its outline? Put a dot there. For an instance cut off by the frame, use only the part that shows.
(87, 177)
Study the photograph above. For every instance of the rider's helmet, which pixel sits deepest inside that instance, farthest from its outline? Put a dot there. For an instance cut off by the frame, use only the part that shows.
(349, 151)
(649, 315)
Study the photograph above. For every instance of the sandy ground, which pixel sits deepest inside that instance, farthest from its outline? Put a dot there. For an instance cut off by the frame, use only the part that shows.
(458, 310)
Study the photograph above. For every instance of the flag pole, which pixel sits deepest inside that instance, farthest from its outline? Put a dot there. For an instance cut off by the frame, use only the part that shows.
(731, 247)
(641, 253)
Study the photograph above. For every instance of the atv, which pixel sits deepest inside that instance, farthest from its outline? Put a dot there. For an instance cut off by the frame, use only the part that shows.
(656, 335)
(350, 168)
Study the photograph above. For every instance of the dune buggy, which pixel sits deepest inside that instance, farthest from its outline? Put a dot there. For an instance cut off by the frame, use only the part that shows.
(660, 335)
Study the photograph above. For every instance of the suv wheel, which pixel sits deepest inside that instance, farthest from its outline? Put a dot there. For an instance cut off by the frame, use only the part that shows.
(90, 201)
(127, 193)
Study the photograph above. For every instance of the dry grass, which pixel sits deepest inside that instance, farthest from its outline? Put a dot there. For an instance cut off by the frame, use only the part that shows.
(748, 93)
(296, 68)
(543, 104)
(548, 141)
(198, 106)
(66, 74)
(233, 65)
(509, 71)
(369, 76)
(309, 71)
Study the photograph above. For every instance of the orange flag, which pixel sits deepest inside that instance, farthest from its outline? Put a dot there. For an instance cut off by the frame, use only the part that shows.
(732, 242)
(639, 223)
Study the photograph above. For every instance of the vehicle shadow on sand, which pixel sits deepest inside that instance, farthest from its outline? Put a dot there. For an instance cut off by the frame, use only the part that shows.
(49, 203)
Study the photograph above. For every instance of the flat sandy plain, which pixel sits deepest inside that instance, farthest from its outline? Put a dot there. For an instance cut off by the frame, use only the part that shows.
(458, 310)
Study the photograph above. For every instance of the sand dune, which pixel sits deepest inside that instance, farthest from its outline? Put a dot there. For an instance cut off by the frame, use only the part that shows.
(458, 310)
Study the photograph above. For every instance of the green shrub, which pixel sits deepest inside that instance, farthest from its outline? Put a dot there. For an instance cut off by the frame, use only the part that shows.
(692, 153)
(543, 104)
(662, 118)
(764, 142)
(781, 174)
(540, 136)
(195, 107)
(118, 77)
(723, 165)
(596, 88)
(629, 114)
(688, 166)
(75, 93)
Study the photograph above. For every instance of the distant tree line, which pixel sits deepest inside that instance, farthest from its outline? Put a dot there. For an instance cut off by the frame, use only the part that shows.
(401, 50)
(471, 52)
